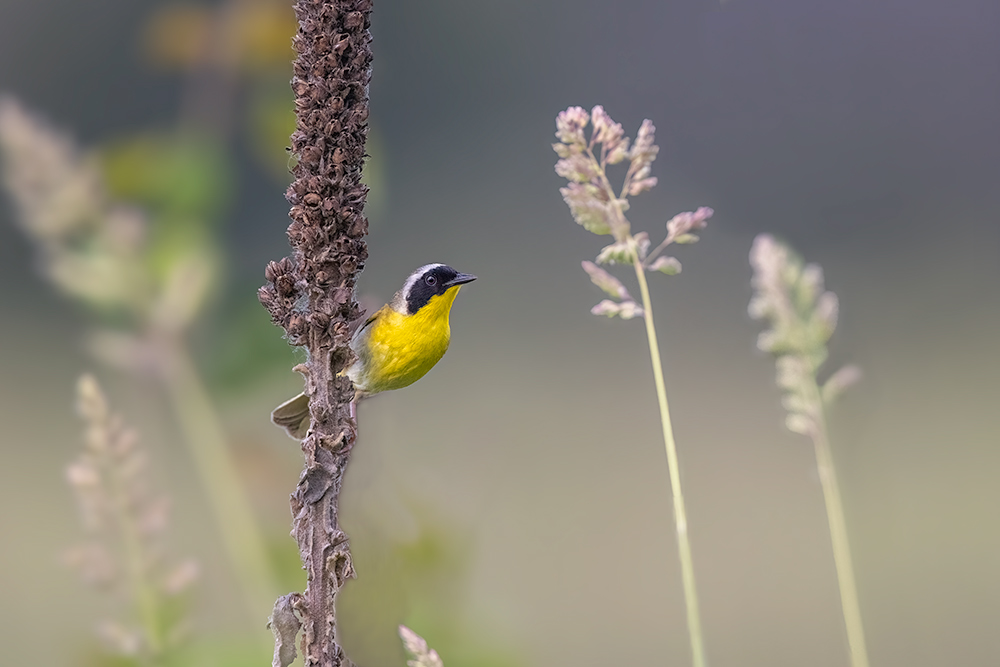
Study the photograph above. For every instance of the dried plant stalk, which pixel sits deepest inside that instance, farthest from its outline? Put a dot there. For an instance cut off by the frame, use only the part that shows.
(311, 293)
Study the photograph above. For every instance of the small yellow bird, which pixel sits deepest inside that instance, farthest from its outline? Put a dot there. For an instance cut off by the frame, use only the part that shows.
(397, 345)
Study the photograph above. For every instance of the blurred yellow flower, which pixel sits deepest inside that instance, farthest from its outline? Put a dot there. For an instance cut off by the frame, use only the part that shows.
(249, 36)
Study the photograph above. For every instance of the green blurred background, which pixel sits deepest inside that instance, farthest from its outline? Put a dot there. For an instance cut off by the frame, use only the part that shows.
(514, 507)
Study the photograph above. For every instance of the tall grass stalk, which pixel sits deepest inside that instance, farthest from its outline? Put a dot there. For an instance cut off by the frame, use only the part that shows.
(680, 514)
(214, 461)
(841, 548)
(802, 316)
(598, 208)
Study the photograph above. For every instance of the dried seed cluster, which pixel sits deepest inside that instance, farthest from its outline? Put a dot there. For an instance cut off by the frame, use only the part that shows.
(330, 82)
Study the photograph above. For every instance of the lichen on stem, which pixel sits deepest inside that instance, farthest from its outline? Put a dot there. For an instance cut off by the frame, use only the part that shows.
(311, 293)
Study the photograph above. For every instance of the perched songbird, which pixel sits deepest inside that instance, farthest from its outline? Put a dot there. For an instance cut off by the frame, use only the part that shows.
(397, 345)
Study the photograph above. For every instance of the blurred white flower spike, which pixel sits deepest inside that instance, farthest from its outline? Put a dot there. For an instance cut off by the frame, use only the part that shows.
(421, 655)
(125, 525)
(802, 316)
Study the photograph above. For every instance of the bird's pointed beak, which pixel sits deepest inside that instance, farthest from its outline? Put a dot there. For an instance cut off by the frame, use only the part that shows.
(460, 279)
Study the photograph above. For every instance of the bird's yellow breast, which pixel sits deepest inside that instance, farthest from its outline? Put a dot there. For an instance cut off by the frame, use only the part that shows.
(398, 349)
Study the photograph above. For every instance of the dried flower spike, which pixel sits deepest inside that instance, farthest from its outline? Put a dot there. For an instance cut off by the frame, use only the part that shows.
(311, 294)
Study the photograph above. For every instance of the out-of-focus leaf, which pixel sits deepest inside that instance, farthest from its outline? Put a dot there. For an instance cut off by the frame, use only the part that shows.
(184, 290)
(179, 242)
(247, 349)
(183, 176)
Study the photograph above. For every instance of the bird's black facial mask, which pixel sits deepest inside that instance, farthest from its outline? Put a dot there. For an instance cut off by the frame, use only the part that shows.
(435, 281)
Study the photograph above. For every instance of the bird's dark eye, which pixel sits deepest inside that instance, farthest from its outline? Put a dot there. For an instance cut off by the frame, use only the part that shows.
(431, 280)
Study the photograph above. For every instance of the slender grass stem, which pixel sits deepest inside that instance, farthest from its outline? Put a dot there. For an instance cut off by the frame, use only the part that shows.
(214, 462)
(680, 515)
(841, 548)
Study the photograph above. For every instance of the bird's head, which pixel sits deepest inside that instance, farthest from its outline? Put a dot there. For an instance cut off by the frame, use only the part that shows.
(427, 282)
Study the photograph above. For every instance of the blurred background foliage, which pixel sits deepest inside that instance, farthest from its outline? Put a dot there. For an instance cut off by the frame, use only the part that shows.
(513, 506)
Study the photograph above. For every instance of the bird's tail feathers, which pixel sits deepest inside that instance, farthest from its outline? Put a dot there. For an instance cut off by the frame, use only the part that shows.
(293, 416)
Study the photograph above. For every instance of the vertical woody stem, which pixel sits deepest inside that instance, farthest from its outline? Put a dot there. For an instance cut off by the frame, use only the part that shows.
(311, 294)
